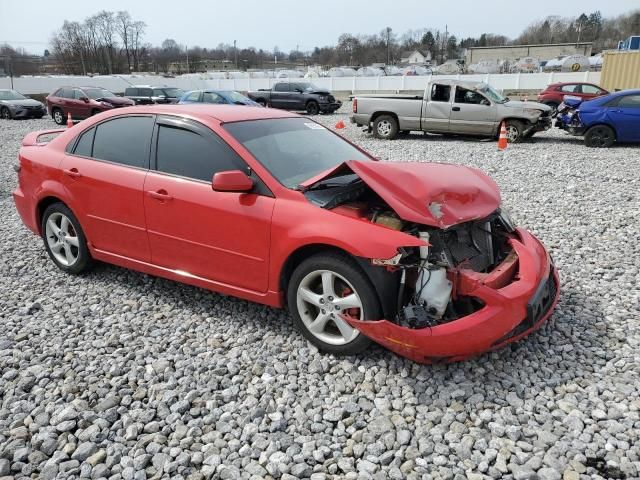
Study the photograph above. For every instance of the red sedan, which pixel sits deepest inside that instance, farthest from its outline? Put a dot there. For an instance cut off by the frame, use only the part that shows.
(555, 92)
(272, 207)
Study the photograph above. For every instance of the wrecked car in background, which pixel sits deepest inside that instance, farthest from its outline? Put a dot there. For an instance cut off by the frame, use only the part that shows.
(613, 118)
(418, 257)
(297, 96)
(451, 107)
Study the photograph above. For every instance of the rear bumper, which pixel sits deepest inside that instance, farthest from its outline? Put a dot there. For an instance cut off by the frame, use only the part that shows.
(25, 210)
(360, 119)
(510, 312)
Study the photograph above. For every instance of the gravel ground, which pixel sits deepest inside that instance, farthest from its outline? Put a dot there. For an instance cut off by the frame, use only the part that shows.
(120, 375)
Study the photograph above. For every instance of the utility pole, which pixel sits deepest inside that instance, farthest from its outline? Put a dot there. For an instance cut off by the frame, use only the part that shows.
(388, 46)
(235, 52)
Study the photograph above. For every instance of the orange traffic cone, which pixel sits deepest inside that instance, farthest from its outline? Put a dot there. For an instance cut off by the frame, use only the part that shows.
(340, 125)
(69, 121)
(502, 140)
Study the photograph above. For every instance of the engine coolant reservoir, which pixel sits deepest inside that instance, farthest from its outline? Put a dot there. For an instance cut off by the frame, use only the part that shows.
(432, 287)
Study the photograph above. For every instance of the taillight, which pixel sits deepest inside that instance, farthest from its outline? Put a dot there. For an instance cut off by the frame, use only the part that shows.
(355, 105)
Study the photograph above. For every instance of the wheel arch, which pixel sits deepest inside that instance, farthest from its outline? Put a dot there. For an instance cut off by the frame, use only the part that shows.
(43, 204)
(603, 124)
(384, 283)
(382, 112)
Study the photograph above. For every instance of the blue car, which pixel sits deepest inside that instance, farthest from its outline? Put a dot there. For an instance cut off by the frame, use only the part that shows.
(228, 97)
(613, 118)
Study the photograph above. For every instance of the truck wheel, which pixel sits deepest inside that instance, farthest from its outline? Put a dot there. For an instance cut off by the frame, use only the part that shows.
(313, 108)
(599, 136)
(514, 131)
(385, 127)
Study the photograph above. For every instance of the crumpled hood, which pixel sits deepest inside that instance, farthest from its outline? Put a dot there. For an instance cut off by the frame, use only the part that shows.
(436, 194)
(117, 101)
(26, 102)
(530, 105)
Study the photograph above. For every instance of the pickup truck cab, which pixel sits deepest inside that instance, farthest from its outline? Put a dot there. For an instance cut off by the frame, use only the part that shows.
(451, 107)
(297, 96)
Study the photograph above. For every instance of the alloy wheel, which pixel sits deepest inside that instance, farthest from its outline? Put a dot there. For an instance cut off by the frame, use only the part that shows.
(57, 116)
(600, 137)
(6, 114)
(321, 297)
(62, 239)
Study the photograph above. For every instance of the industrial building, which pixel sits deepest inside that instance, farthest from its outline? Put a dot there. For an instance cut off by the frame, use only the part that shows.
(512, 53)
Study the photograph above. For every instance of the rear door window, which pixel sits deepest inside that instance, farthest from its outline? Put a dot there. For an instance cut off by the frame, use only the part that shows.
(84, 147)
(440, 93)
(124, 140)
(282, 87)
(131, 92)
(193, 97)
(629, 101)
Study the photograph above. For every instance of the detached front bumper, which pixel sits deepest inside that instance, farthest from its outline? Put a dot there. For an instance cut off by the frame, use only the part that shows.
(518, 296)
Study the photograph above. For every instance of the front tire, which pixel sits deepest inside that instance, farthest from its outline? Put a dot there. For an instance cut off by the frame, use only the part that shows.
(515, 129)
(313, 108)
(58, 116)
(64, 239)
(599, 136)
(324, 285)
(5, 114)
(385, 127)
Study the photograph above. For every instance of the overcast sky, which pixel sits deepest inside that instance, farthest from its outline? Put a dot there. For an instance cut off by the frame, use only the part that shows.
(288, 23)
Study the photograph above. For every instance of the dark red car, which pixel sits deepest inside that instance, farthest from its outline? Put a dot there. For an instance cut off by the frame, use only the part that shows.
(269, 206)
(82, 102)
(555, 92)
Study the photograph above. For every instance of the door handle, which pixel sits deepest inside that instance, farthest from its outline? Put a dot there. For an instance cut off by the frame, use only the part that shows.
(72, 172)
(456, 109)
(161, 195)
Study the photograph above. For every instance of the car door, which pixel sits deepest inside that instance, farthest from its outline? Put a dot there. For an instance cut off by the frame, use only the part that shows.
(437, 109)
(72, 102)
(104, 172)
(472, 113)
(222, 237)
(625, 116)
(297, 97)
(280, 96)
(83, 105)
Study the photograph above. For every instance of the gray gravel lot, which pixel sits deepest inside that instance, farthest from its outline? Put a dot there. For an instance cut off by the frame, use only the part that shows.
(120, 375)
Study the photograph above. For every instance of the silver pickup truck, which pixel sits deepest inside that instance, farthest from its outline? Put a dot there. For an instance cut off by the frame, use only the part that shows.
(451, 107)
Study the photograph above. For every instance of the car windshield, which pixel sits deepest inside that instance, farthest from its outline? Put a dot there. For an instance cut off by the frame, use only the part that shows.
(492, 93)
(293, 149)
(96, 93)
(11, 95)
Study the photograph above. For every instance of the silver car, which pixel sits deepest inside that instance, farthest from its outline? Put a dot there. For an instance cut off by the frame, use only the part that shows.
(16, 105)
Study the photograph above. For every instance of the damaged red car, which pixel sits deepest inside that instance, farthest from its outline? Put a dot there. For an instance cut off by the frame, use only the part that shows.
(269, 206)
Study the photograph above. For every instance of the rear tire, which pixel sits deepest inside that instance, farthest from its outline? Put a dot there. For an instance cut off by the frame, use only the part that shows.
(64, 239)
(599, 136)
(58, 116)
(313, 108)
(515, 130)
(323, 285)
(385, 127)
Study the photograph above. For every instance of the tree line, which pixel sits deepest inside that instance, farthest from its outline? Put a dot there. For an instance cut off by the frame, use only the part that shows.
(114, 43)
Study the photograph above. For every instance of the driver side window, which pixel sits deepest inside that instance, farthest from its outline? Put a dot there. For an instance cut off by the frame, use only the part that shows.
(464, 95)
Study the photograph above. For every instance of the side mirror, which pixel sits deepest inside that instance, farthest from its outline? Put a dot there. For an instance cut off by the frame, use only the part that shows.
(231, 181)
(85, 99)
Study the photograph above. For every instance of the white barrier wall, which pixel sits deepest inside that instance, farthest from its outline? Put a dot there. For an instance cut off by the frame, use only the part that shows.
(515, 81)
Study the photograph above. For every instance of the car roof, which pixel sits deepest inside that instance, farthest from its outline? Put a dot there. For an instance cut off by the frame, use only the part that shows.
(223, 113)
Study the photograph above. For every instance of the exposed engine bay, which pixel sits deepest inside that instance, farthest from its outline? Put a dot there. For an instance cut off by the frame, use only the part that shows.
(426, 294)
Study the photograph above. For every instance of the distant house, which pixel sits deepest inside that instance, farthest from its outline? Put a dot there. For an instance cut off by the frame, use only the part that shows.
(415, 57)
